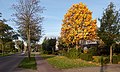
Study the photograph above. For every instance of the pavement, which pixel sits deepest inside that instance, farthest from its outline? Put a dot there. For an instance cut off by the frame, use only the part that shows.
(43, 66)
(9, 63)
(24, 70)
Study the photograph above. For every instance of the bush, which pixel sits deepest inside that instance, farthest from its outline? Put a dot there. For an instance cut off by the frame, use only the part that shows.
(93, 51)
(116, 59)
(106, 60)
(45, 52)
(87, 57)
(97, 59)
(119, 58)
(73, 53)
(61, 52)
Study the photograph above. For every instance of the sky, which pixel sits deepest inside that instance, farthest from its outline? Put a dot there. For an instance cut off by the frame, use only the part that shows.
(55, 10)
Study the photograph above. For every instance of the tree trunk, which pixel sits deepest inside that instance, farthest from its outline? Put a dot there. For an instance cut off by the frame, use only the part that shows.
(25, 48)
(77, 45)
(2, 50)
(68, 49)
(29, 46)
(111, 54)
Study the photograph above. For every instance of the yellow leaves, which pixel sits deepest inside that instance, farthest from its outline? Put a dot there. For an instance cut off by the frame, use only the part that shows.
(78, 24)
(77, 21)
(85, 30)
(87, 23)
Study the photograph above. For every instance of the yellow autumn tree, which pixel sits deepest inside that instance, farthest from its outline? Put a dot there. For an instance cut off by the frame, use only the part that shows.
(78, 25)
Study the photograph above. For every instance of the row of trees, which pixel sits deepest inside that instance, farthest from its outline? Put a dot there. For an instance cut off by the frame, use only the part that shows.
(78, 25)
(48, 45)
(6, 32)
(28, 19)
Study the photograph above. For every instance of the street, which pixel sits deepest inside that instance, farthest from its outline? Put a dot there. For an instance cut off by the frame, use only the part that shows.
(9, 63)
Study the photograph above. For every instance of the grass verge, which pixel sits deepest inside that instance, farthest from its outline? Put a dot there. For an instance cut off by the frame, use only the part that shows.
(1, 55)
(63, 62)
(28, 64)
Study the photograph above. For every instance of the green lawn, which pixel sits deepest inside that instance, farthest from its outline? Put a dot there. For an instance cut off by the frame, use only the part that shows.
(28, 64)
(6, 54)
(63, 62)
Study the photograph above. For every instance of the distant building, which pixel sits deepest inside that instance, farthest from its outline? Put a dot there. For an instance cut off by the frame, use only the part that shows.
(56, 46)
(88, 43)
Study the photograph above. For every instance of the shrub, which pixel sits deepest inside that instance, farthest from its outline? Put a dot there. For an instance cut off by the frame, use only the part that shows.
(119, 58)
(106, 60)
(61, 52)
(87, 57)
(45, 52)
(116, 59)
(96, 59)
(56, 53)
(93, 51)
(73, 53)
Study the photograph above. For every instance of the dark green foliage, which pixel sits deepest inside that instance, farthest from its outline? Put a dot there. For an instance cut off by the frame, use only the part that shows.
(5, 37)
(48, 46)
(116, 49)
(98, 59)
(119, 57)
(85, 56)
(103, 51)
(109, 30)
(5, 32)
(61, 52)
(73, 53)
(93, 51)
(116, 59)
(106, 59)
(101, 60)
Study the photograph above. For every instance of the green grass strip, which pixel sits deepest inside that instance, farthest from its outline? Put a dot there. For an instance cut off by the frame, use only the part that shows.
(64, 62)
(28, 64)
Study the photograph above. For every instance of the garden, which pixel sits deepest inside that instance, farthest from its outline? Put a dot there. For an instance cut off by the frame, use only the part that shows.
(81, 43)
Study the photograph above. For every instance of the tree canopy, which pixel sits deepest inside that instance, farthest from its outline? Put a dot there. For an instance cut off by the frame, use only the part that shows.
(78, 25)
(27, 16)
(109, 30)
(5, 35)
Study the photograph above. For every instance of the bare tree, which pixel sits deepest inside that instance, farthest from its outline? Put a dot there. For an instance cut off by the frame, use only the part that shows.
(28, 18)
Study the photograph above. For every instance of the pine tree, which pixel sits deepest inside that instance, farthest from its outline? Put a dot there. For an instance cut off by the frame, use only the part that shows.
(109, 30)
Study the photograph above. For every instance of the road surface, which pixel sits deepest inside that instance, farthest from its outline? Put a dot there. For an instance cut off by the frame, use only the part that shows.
(9, 63)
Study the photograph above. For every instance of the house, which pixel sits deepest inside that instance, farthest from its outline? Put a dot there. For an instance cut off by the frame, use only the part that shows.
(88, 43)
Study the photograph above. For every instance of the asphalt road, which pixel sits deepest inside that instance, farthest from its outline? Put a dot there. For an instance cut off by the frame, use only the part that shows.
(9, 63)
